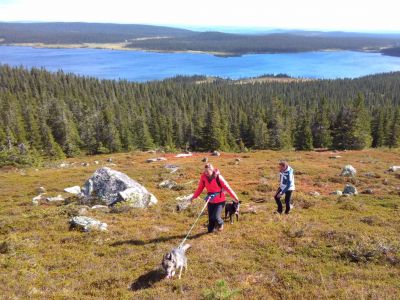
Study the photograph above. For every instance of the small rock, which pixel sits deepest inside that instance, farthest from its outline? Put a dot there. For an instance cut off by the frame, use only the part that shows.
(348, 171)
(237, 159)
(86, 224)
(63, 165)
(339, 193)
(96, 162)
(205, 159)
(36, 200)
(85, 164)
(385, 181)
(394, 168)
(102, 208)
(150, 160)
(189, 154)
(315, 194)
(172, 168)
(41, 190)
(75, 190)
(167, 184)
(183, 202)
(368, 192)
(109, 160)
(371, 175)
(350, 190)
(55, 199)
(335, 157)
(151, 151)
(216, 153)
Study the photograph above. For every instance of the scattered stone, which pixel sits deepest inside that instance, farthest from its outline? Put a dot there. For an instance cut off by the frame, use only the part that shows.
(394, 169)
(110, 186)
(189, 154)
(109, 160)
(205, 159)
(102, 208)
(368, 192)
(315, 194)
(183, 202)
(335, 157)
(151, 151)
(371, 175)
(63, 165)
(86, 224)
(36, 200)
(350, 190)
(41, 190)
(75, 190)
(172, 168)
(348, 171)
(339, 193)
(55, 199)
(216, 153)
(167, 184)
(96, 162)
(385, 181)
(237, 159)
(150, 160)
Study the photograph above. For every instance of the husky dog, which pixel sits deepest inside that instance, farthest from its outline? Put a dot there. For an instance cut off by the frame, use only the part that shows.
(176, 259)
(232, 209)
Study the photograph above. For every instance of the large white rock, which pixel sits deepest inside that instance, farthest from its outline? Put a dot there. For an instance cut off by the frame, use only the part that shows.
(348, 171)
(86, 224)
(111, 186)
(394, 168)
(75, 190)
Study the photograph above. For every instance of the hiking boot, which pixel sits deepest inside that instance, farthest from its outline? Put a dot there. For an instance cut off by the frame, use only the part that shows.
(221, 227)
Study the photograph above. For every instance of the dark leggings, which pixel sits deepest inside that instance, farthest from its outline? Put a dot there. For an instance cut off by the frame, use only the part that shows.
(288, 195)
(214, 215)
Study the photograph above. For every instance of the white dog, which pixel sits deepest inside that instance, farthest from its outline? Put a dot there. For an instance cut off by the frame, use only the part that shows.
(176, 259)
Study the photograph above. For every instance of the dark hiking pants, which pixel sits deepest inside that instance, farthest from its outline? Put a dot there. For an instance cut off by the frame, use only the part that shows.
(288, 196)
(214, 215)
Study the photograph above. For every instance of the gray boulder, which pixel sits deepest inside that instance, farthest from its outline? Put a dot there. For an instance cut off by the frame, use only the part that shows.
(110, 186)
(348, 171)
(86, 224)
(315, 194)
(55, 199)
(368, 192)
(205, 159)
(350, 190)
(172, 168)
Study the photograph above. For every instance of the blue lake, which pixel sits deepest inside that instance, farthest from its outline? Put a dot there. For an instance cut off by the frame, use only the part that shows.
(145, 66)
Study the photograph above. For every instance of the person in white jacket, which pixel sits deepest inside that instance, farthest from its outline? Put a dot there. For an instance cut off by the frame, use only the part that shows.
(286, 187)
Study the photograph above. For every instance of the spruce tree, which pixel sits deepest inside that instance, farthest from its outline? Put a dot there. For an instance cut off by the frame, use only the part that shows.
(321, 126)
(394, 135)
(303, 139)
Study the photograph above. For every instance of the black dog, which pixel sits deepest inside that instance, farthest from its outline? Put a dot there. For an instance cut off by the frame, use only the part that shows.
(232, 209)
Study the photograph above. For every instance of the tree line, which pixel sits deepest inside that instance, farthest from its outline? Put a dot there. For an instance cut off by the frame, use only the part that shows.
(47, 115)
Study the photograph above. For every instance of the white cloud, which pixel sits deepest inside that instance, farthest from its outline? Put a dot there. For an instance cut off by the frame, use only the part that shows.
(310, 14)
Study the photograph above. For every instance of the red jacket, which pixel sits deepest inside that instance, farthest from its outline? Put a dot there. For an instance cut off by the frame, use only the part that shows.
(212, 186)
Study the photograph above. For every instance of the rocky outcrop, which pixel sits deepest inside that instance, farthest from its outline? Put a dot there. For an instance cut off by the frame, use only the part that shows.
(110, 186)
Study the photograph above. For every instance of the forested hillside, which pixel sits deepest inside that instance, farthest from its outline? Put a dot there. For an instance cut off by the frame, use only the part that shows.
(56, 114)
(75, 33)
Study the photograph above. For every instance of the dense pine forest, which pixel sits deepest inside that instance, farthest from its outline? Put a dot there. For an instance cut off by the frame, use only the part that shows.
(54, 115)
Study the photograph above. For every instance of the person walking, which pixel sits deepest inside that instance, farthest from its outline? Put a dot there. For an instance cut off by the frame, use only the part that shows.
(286, 187)
(216, 186)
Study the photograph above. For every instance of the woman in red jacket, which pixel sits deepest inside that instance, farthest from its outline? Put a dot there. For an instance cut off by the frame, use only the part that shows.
(216, 187)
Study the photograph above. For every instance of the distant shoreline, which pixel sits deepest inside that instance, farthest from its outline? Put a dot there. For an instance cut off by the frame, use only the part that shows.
(123, 47)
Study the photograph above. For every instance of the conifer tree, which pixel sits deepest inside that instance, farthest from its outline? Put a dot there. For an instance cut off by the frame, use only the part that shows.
(303, 139)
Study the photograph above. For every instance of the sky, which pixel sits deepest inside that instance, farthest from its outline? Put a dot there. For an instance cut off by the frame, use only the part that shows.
(347, 15)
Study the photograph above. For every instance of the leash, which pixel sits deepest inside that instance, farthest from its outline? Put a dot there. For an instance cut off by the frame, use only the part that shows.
(191, 228)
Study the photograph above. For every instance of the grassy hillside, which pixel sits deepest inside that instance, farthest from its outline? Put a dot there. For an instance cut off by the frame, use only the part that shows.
(329, 247)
